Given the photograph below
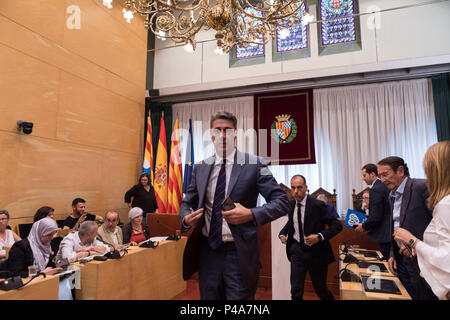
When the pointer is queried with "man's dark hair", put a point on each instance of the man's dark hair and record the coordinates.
(299, 176)
(225, 116)
(394, 163)
(42, 212)
(370, 167)
(77, 201)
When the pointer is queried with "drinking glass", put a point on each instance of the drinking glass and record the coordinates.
(32, 270)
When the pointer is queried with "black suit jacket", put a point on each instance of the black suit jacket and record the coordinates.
(317, 217)
(414, 213)
(249, 178)
(21, 256)
(378, 224)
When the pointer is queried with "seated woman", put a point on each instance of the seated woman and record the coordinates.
(7, 236)
(43, 212)
(134, 231)
(35, 249)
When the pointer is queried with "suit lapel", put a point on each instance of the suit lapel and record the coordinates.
(237, 168)
(405, 200)
(203, 173)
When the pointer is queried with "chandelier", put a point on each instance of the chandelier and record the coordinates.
(240, 23)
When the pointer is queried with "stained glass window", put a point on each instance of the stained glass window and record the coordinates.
(297, 37)
(341, 28)
(252, 50)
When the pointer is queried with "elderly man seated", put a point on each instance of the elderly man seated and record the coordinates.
(81, 244)
(109, 233)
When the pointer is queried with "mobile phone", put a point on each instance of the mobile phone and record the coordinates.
(228, 204)
(407, 246)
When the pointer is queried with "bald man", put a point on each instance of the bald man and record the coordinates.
(109, 233)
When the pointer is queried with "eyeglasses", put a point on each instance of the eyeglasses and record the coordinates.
(218, 131)
(4, 219)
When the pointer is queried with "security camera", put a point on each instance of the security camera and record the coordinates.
(26, 127)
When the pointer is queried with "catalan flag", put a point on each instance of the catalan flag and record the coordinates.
(175, 173)
(160, 179)
(189, 165)
(147, 166)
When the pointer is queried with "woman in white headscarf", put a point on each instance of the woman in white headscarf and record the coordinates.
(34, 250)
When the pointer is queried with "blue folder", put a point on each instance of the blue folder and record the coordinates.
(354, 217)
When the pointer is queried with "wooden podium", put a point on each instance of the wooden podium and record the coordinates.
(163, 224)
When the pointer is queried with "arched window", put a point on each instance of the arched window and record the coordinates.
(251, 53)
(339, 27)
(293, 42)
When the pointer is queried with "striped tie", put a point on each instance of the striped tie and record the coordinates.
(215, 230)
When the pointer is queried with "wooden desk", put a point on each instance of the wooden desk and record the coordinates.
(142, 274)
(39, 289)
(355, 291)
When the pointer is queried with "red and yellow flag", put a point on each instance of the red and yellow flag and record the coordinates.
(160, 179)
(148, 155)
(175, 195)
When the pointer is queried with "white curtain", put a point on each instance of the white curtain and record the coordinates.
(361, 124)
(201, 112)
(353, 126)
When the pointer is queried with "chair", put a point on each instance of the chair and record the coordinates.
(24, 229)
(357, 198)
(331, 197)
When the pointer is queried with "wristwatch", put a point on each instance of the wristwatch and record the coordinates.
(411, 242)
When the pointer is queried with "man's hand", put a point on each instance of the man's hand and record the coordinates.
(193, 218)
(405, 252)
(238, 215)
(359, 227)
(392, 264)
(118, 247)
(283, 239)
(51, 271)
(312, 239)
(402, 235)
(82, 249)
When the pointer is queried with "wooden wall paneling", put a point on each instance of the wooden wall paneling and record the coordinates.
(36, 45)
(109, 43)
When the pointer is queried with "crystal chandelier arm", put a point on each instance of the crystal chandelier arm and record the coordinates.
(170, 26)
(272, 14)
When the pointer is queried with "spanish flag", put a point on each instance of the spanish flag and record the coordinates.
(147, 167)
(160, 180)
(175, 173)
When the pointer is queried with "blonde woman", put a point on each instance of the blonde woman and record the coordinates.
(433, 253)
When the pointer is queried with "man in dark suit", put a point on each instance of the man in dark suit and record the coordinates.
(378, 224)
(408, 199)
(224, 245)
(307, 241)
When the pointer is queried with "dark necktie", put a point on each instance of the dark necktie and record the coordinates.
(215, 230)
(300, 228)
